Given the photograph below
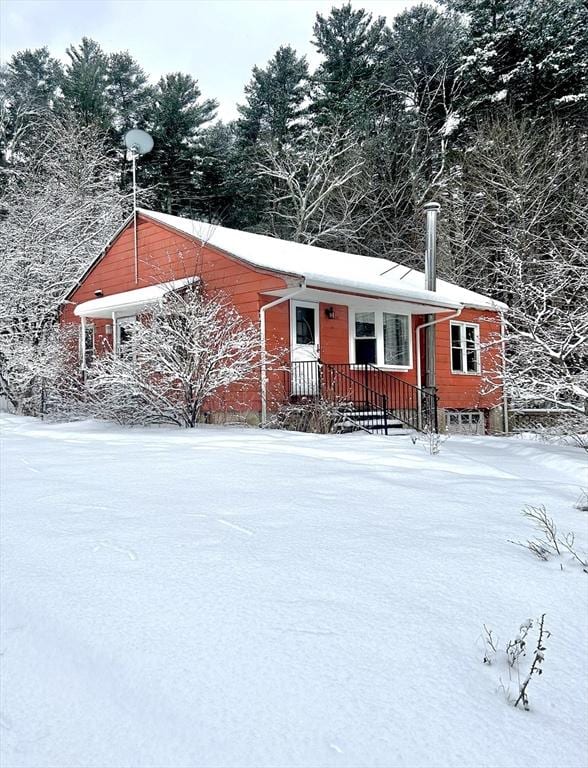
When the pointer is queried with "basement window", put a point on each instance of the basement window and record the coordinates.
(381, 338)
(465, 422)
(465, 348)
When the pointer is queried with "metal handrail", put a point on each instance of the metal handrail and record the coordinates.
(426, 401)
(365, 387)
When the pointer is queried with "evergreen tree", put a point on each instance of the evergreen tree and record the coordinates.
(85, 81)
(275, 109)
(128, 95)
(352, 46)
(530, 55)
(216, 184)
(127, 92)
(175, 121)
(29, 86)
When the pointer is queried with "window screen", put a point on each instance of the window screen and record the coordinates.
(396, 342)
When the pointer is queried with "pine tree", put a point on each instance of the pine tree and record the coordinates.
(275, 109)
(529, 55)
(175, 121)
(129, 96)
(29, 86)
(352, 46)
(127, 92)
(85, 82)
(216, 185)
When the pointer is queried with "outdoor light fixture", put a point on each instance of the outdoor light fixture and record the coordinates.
(330, 313)
(108, 330)
(98, 293)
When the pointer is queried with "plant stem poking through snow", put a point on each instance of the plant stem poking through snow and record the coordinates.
(535, 669)
(514, 654)
(552, 543)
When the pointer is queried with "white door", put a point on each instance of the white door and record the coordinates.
(304, 333)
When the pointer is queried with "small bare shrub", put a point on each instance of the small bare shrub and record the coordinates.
(515, 656)
(582, 502)
(551, 543)
(319, 416)
(430, 440)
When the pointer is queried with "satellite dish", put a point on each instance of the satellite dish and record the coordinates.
(138, 141)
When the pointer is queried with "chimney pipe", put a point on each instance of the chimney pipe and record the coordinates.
(432, 211)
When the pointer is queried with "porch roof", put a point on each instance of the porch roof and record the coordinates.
(394, 304)
(327, 269)
(130, 302)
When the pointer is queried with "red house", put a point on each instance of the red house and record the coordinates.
(353, 326)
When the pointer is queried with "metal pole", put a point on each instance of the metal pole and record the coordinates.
(134, 156)
(432, 211)
(419, 328)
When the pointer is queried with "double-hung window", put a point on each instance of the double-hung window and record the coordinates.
(381, 338)
(465, 348)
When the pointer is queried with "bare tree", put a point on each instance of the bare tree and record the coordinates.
(520, 232)
(59, 210)
(185, 352)
(313, 198)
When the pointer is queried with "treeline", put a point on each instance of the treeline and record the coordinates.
(481, 105)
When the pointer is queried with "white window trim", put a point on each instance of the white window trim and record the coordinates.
(462, 327)
(379, 313)
(317, 321)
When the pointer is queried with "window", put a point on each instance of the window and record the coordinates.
(381, 338)
(465, 348)
(365, 337)
(305, 332)
(466, 422)
(87, 346)
(124, 335)
(396, 340)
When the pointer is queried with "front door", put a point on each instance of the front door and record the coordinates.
(304, 333)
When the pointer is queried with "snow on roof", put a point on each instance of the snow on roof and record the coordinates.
(131, 301)
(325, 268)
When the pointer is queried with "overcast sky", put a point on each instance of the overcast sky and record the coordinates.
(216, 41)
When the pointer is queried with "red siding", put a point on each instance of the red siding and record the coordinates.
(165, 255)
(464, 390)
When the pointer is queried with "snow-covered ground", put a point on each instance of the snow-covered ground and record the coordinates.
(233, 597)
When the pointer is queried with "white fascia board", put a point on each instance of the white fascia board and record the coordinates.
(129, 301)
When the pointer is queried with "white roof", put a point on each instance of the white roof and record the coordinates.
(128, 301)
(324, 268)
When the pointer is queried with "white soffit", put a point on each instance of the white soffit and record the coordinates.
(129, 301)
(388, 304)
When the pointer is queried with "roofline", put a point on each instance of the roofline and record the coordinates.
(141, 212)
(240, 259)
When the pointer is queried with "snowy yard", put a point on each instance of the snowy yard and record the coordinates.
(232, 597)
